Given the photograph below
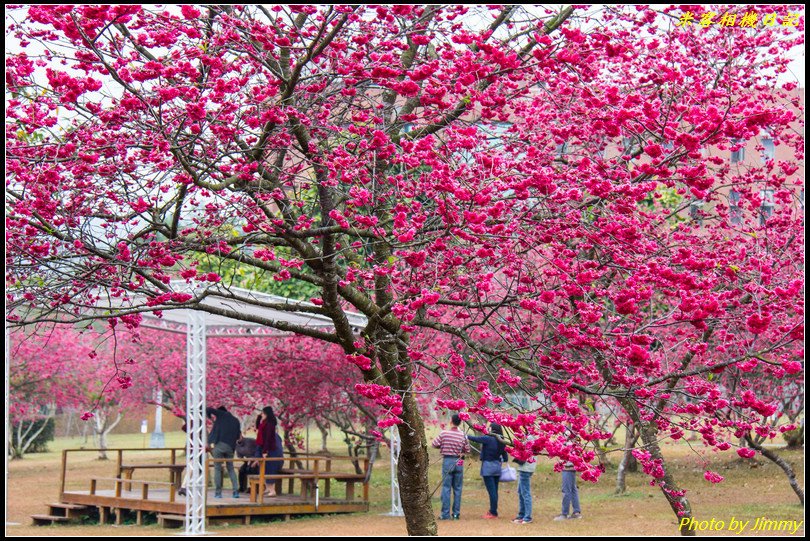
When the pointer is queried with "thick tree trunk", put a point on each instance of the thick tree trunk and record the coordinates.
(632, 461)
(362, 446)
(782, 463)
(354, 452)
(348, 441)
(102, 453)
(630, 438)
(679, 504)
(291, 451)
(413, 471)
(648, 433)
(324, 436)
(103, 427)
(101, 434)
(373, 449)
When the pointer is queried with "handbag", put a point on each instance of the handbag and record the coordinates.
(508, 474)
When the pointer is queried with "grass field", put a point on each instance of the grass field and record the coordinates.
(747, 494)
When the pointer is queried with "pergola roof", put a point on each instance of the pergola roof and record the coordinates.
(253, 305)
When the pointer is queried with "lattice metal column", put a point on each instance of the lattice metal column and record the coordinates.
(396, 502)
(195, 411)
(8, 416)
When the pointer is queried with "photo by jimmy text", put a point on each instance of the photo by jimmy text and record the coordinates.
(738, 526)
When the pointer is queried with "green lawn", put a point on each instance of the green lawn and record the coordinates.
(747, 493)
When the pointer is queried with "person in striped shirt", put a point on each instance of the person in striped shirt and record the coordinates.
(453, 445)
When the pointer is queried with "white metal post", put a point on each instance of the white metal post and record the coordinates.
(8, 411)
(158, 440)
(195, 412)
(396, 502)
(8, 416)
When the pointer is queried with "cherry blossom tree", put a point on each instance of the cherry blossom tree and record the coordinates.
(58, 367)
(41, 381)
(518, 182)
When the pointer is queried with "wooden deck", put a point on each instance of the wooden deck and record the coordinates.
(158, 502)
(121, 491)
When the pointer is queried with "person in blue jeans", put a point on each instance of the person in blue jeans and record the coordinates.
(453, 475)
(525, 471)
(222, 441)
(453, 445)
(493, 453)
(570, 493)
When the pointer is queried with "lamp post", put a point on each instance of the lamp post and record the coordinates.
(158, 440)
(144, 430)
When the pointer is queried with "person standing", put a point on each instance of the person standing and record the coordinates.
(525, 472)
(222, 442)
(570, 493)
(269, 445)
(493, 454)
(453, 446)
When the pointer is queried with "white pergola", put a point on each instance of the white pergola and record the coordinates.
(253, 311)
(199, 324)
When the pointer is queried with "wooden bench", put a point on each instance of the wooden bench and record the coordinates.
(306, 477)
(118, 483)
(308, 481)
(350, 479)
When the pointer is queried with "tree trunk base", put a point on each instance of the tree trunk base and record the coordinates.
(782, 463)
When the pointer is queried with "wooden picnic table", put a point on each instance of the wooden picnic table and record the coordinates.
(308, 478)
(125, 471)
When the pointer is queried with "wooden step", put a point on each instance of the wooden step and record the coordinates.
(171, 521)
(70, 510)
(47, 520)
(68, 505)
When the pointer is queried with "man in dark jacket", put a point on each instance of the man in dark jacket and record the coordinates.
(222, 442)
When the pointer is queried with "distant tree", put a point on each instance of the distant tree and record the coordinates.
(41, 380)
(45, 433)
